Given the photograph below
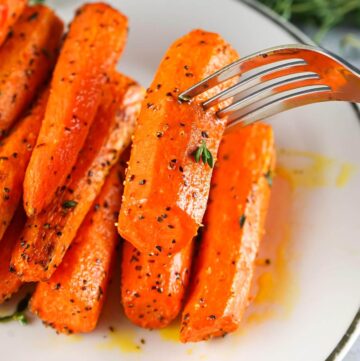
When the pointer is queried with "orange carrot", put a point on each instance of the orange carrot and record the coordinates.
(72, 299)
(234, 225)
(15, 152)
(92, 47)
(166, 190)
(26, 61)
(153, 286)
(48, 235)
(10, 10)
(9, 282)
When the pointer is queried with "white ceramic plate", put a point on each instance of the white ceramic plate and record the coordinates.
(310, 295)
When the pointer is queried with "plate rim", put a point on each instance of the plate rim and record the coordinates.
(349, 338)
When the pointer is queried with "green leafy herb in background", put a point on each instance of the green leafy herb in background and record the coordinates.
(325, 14)
(36, 2)
(350, 41)
(19, 314)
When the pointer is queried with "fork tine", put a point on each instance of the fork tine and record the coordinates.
(240, 67)
(278, 103)
(266, 89)
(251, 85)
(252, 80)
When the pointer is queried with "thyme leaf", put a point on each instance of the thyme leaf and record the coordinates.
(204, 154)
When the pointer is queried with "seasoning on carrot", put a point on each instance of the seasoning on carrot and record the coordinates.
(10, 10)
(92, 48)
(72, 299)
(9, 282)
(48, 235)
(26, 61)
(166, 189)
(15, 152)
(153, 286)
(238, 203)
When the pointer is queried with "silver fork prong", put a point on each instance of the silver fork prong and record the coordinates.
(252, 80)
(278, 103)
(266, 89)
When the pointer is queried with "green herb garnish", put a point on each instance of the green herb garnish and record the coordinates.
(242, 220)
(204, 154)
(19, 314)
(269, 177)
(69, 204)
(325, 14)
(36, 2)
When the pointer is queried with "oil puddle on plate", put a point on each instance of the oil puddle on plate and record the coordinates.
(313, 170)
(172, 332)
(273, 290)
(123, 340)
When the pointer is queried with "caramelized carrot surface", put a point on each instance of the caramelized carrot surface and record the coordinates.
(92, 48)
(76, 291)
(153, 286)
(10, 10)
(9, 282)
(15, 152)
(166, 190)
(48, 235)
(234, 225)
(26, 61)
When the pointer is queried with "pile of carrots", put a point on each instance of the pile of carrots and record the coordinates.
(86, 154)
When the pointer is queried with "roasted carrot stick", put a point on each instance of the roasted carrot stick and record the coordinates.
(92, 47)
(153, 286)
(9, 282)
(71, 301)
(15, 152)
(48, 235)
(234, 225)
(26, 60)
(166, 190)
(10, 10)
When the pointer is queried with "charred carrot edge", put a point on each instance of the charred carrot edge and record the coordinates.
(165, 189)
(26, 61)
(234, 225)
(72, 299)
(10, 10)
(92, 47)
(9, 282)
(48, 235)
(153, 286)
(15, 152)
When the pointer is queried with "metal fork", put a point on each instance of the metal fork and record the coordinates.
(279, 79)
